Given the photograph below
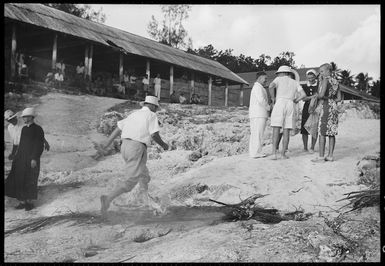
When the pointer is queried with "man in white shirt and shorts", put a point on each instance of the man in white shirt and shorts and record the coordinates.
(136, 130)
(283, 110)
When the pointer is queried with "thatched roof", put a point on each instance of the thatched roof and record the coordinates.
(59, 21)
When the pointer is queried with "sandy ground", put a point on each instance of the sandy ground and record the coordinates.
(192, 229)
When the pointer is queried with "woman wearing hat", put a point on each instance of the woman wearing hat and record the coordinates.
(310, 88)
(21, 182)
(283, 110)
(136, 130)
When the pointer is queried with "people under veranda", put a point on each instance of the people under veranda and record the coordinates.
(157, 85)
(195, 99)
(174, 97)
(22, 180)
(182, 99)
(136, 130)
(283, 110)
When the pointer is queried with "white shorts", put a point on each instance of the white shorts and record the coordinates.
(282, 114)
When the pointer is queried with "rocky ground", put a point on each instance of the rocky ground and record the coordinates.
(208, 161)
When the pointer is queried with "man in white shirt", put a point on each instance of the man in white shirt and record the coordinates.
(136, 130)
(258, 114)
(283, 111)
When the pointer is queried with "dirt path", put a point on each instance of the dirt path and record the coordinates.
(192, 230)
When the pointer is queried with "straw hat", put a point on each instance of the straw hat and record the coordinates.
(150, 99)
(311, 71)
(284, 69)
(8, 115)
(28, 112)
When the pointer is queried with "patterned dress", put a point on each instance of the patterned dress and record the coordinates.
(328, 120)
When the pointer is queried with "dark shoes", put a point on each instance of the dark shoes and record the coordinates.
(29, 206)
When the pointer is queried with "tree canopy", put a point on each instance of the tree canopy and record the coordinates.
(171, 31)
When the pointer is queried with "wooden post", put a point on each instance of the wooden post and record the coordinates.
(54, 51)
(241, 96)
(171, 79)
(90, 62)
(120, 67)
(192, 83)
(86, 62)
(210, 85)
(148, 68)
(13, 52)
(226, 93)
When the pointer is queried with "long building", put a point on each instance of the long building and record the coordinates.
(47, 36)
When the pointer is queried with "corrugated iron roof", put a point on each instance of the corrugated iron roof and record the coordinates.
(250, 77)
(53, 19)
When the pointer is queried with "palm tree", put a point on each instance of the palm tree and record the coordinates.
(362, 81)
(346, 78)
(335, 68)
(375, 88)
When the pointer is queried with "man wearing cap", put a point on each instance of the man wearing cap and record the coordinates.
(258, 114)
(21, 182)
(310, 88)
(136, 130)
(283, 111)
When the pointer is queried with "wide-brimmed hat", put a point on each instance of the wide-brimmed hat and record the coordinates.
(28, 112)
(284, 69)
(9, 114)
(311, 71)
(152, 100)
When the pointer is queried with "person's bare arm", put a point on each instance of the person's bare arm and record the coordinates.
(321, 94)
(46, 145)
(111, 138)
(156, 137)
(302, 95)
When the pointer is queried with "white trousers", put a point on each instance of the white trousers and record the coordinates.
(257, 129)
(157, 91)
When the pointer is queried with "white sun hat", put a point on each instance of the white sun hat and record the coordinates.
(284, 69)
(311, 71)
(150, 99)
(9, 114)
(28, 112)
(296, 75)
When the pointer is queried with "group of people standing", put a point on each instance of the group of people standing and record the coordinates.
(279, 99)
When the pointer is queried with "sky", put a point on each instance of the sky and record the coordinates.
(348, 35)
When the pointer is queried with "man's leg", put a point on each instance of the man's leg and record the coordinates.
(253, 138)
(275, 141)
(279, 140)
(261, 124)
(304, 140)
(286, 135)
(107, 199)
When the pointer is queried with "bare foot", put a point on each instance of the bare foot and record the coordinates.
(284, 156)
(274, 157)
(104, 205)
(311, 151)
(329, 159)
(305, 150)
(318, 160)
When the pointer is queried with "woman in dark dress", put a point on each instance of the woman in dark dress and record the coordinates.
(21, 182)
(310, 89)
